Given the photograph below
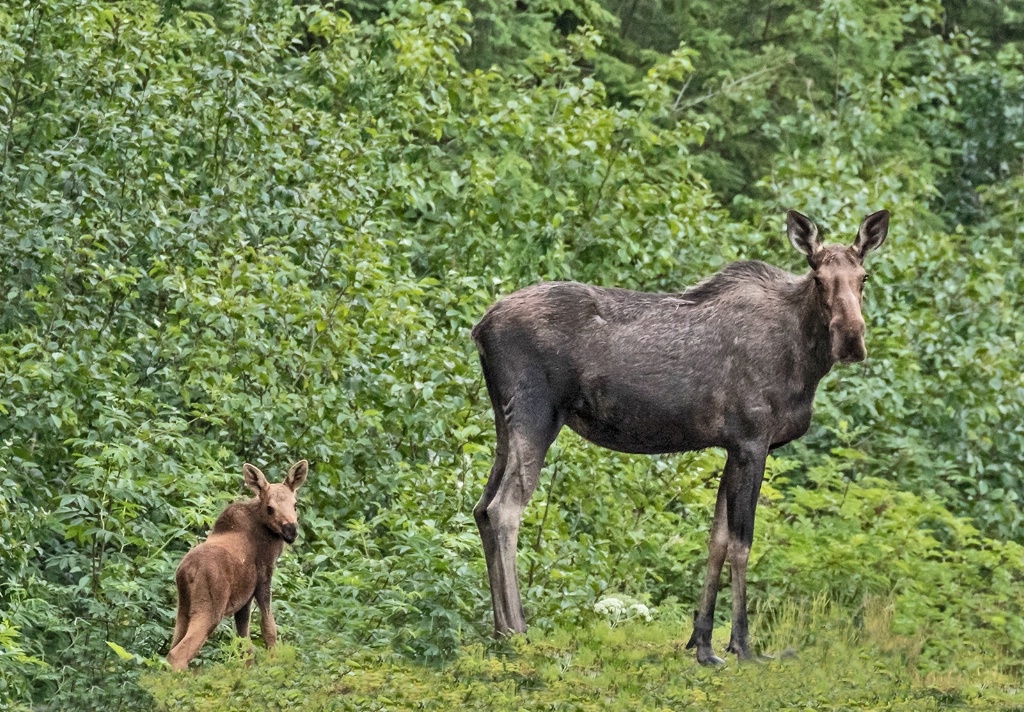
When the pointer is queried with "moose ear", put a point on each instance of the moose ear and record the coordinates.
(297, 475)
(872, 233)
(254, 479)
(803, 233)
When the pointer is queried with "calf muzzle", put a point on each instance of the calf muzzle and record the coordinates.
(289, 532)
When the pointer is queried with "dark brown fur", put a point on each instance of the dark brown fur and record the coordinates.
(235, 565)
(733, 362)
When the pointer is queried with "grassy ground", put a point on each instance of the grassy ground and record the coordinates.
(838, 665)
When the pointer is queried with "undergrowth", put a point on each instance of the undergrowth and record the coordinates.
(824, 659)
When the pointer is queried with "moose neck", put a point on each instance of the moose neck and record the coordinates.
(814, 326)
(244, 517)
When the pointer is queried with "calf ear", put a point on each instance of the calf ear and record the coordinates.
(254, 479)
(803, 234)
(297, 475)
(872, 233)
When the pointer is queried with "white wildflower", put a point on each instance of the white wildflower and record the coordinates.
(639, 610)
(616, 610)
(610, 607)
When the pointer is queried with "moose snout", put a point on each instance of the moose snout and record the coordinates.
(848, 341)
(289, 532)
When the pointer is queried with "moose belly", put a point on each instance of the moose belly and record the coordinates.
(680, 421)
(648, 425)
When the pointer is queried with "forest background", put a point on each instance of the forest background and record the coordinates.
(259, 230)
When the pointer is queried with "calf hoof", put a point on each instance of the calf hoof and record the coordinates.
(177, 665)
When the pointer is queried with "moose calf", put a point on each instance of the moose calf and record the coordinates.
(221, 576)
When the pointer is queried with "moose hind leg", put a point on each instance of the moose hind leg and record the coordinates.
(199, 628)
(532, 425)
(503, 513)
(483, 522)
(184, 604)
(181, 621)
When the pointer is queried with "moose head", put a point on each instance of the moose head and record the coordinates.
(839, 277)
(277, 501)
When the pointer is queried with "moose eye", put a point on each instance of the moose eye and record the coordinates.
(270, 511)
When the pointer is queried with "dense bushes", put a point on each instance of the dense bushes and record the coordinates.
(261, 231)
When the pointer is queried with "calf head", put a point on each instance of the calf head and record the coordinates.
(277, 501)
(839, 278)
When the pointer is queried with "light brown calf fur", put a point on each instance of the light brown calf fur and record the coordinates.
(221, 576)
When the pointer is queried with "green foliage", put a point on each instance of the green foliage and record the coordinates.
(510, 33)
(240, 230)
(635, 666)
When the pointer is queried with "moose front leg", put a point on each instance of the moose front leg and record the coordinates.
(742, 504)
(268, 628)
(731, 535)
(242, 618)
(704, 618)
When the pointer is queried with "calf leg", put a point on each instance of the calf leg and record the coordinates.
(181, 621)
(268, 628)
(184, 605)
(242, 619)
(199, 628)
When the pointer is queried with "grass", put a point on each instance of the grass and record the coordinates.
(841, 663)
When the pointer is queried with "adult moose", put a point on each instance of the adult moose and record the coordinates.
(732, 362)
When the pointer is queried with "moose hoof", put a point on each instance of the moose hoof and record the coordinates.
(742, 652)
(744, 655)
(760, 658)
(709, 658)
(177, 665)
